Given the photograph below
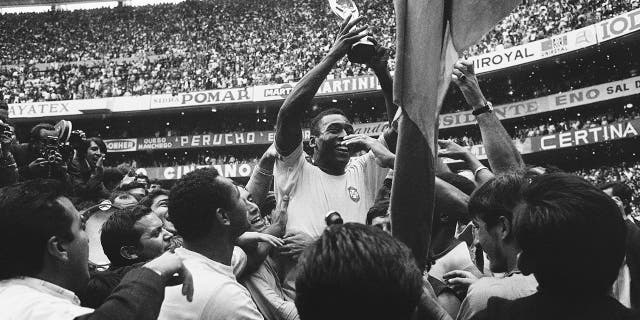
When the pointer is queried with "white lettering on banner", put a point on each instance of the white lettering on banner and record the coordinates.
(502, 59)
(588, 136)
(121, 145)
(155, 143)
(177, 172)
(618, 26)
(217, 96)
(355, 84)
(26, 110)
(503, 112)
(597, 93)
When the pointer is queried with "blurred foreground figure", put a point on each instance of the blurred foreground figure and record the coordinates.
(357, 272)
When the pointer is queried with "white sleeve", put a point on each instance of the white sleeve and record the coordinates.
(287, 172)
(238, 261)
(373, 173)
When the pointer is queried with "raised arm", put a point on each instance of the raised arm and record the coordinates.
(260, 181)
(502, 153)
(452, 150)
(288, 125)
(379, 65)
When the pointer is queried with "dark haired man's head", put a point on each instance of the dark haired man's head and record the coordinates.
(154, 184)
(569, 231)
(257, 221)
(620, 192)
(352, 266)
(92, 149)
(491, 208)
(133, 235)
(203, 204)
(142, 179)
(378, 216)
(328, 129)
(158, 201)
(122, 199)
(333, 218)
(42, 235)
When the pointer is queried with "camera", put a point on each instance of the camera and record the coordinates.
(57, 141)
(50, 149)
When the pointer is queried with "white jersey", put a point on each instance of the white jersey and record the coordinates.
(313, 193)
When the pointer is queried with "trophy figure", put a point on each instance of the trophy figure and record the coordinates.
(363, 50)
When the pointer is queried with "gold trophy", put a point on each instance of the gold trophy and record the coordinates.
(363, 50)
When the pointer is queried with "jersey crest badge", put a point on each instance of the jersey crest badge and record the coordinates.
(353, 194)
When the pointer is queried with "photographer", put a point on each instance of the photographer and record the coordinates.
(42, 156)
(86, 170)
(8, 168)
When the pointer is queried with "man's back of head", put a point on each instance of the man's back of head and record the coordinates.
(355, 271)
(30, 215)
(203, 202)
(571, 235)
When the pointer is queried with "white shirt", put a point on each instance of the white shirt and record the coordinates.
(269, 295)
(511, 287)
(456, 259)
(313, 193)
(27, 298)
(216, 295)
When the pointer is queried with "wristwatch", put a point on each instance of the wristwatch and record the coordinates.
(488, 107)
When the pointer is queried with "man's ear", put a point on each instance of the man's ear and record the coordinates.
(312, 142)
(57, 249)
(223, 217)
(504, 226)
(129, 252)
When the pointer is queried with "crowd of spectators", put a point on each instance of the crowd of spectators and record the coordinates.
(540, 19)
(627, 173)
(200, 45)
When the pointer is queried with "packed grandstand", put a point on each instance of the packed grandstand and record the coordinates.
(199, 83)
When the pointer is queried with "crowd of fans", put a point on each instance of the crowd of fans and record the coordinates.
(201, 45)
(627, 173)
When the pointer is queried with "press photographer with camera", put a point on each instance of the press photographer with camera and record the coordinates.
(86, 169)
(45, 155)
(8, 168)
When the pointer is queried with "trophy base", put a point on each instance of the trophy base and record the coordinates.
(361, 51)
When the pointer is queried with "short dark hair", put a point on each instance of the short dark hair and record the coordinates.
(118, 231)
(569, 231)
(30, 215)
(85, 144)
(194, 200)
(497, 197)
(34, 134)
(315, 122)
(352, 266)
(148, 200)
(622, 191)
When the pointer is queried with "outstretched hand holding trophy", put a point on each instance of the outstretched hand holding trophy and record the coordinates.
(363, 50)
